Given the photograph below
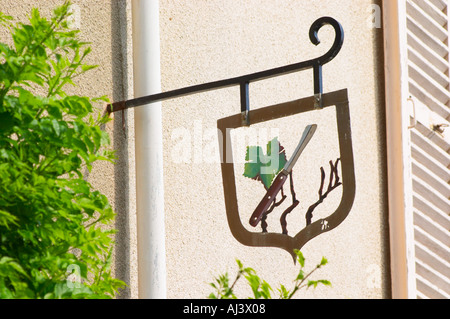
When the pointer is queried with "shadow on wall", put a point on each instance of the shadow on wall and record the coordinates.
(381, 119)
(119, 61)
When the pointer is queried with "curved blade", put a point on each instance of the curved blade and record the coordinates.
(307, 135)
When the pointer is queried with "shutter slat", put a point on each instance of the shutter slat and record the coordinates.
(422, 188)
(431, 163)
(428, 147)
(432, 244)
(440, 4)
(426, 98)
(428, 71)
(432, 11)
(432, 276)
(427, 22)
(440, 140)
(433, 228)
(421, 62)
(428, 83)
(437, 288)
(432, 57)
(437, 215)
(439, 264)
(435, 44)
(428, 290)
(431, 179)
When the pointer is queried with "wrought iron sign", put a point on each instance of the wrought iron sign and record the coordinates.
(316, 103)
(339, 100)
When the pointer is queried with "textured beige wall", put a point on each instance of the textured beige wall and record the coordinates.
(203, 41)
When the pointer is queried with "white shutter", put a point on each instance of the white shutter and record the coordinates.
(428, 38)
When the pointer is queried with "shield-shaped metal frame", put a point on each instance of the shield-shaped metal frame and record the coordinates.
(339, 99)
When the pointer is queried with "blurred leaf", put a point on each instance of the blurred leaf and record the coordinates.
(260, 288)
(50, 217)
(300, 258)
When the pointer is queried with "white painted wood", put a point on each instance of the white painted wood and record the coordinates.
(428, 37)
(402, 246)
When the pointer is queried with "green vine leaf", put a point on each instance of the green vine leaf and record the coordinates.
(265, 167)
(260, 288)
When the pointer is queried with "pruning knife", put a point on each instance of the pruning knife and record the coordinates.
(279, 181)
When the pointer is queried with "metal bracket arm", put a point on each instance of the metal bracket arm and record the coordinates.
(245, 80)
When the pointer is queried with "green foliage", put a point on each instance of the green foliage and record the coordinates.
(51, 219)
(260, 288)
(264, 167)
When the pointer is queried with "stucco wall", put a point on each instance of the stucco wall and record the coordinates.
(204, 41)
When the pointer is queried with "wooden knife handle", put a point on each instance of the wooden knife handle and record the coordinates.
(268, 198)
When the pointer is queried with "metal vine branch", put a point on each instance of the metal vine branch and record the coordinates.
(332, 185)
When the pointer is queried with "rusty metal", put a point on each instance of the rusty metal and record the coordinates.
(339, 99)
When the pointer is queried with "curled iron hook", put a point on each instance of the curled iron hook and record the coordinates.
(338, 41)
(327, 57)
